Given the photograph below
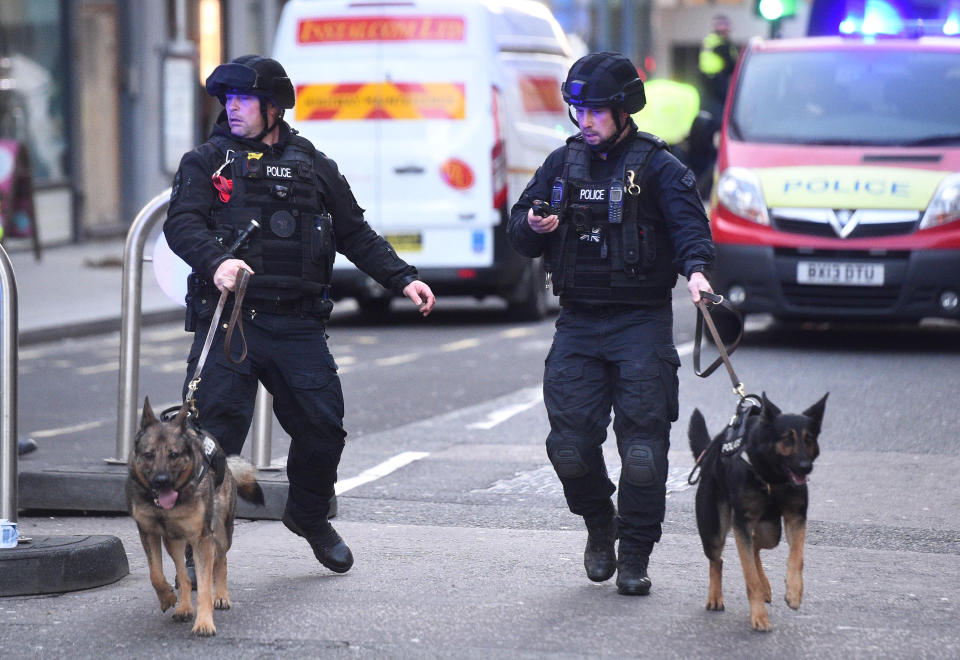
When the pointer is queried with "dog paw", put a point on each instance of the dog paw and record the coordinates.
(167, 599)
(760, 622)
(793, 600)
(221, 603)
(715, 605)
(183, 614)
(204, 628)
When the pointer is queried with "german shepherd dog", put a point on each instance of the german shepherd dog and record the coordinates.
(749, 483)
(181, 488)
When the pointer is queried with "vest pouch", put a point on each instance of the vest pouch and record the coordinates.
(648, 246)
(322, 246)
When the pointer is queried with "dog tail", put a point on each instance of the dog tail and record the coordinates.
(246, 477)
(697, 433)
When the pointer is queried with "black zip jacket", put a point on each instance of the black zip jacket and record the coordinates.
(668, 188)
(188, 228)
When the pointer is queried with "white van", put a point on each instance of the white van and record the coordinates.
(437, 113)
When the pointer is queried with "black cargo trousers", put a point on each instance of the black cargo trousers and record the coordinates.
(619, 358)
(289, 355)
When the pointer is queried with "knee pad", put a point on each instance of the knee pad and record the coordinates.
(567, 462)
(639, 466)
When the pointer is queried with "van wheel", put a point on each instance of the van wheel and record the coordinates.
(374, 309)
(531, 301)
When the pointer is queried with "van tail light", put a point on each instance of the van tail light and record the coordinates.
(498, 156)
(457, 174)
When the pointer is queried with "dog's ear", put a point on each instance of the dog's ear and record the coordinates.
(180, 421)
(815, 413)
(767, 408)
(148, 417)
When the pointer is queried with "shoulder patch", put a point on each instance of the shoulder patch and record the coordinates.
(688, 180)
(175, 191)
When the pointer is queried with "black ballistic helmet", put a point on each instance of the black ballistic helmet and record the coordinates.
(254, 75)
(604, 80)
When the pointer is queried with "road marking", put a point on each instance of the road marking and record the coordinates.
(98, 369)
(534, 396)
(381, 470)
(64, 430)
(460, 345)
(397, 359)
(513, 333)
(544, 481)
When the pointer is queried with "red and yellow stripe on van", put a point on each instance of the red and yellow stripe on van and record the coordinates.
(381, 100)
(380, 28)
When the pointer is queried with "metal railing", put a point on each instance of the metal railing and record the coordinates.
(8, 390)
(128, 390)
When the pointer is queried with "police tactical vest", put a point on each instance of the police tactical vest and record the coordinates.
(611, 247)
(293, 251)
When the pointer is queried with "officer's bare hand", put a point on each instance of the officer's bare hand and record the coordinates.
(421, 295)
(697, 283)
(226, 275)
(542, 225)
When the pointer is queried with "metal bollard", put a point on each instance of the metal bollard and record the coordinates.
(130, 323)
(128, 390)
(8, 390)
(263, 430)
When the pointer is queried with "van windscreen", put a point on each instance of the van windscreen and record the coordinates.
(865, 97)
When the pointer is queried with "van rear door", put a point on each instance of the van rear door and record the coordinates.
(401, 98)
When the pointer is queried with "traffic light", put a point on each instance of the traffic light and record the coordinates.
(773, 10)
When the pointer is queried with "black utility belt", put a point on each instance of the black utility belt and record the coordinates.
(312, 306)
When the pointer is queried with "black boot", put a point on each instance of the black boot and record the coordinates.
(191, 569)
(599, 557)
(632, 577)
(329, 549)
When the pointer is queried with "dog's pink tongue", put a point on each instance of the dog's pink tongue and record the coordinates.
(167, 499)
(798, 480)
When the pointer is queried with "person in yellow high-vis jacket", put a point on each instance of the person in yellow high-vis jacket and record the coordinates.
(718, 56)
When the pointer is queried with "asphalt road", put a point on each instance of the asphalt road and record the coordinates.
(465, 549)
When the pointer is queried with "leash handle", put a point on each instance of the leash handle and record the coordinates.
(236, 320)
(703, 316)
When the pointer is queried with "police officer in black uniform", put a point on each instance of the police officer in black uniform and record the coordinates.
(616, 218)
(255, 169)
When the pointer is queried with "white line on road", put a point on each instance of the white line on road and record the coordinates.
(460, 345)
(397, 359)
(64, 430)
(381, 470)
(98, 368)
(534, 395)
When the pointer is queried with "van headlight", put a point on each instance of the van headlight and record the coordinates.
(739, 190)
(945, 205)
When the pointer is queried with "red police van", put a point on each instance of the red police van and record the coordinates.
(837, 192)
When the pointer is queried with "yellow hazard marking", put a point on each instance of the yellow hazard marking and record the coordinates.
(381, 100)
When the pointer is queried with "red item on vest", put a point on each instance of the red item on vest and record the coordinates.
(224, 187)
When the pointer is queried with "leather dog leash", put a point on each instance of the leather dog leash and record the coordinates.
(703, 315)
(243, 278)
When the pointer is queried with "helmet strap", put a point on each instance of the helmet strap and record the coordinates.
(266, 118)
